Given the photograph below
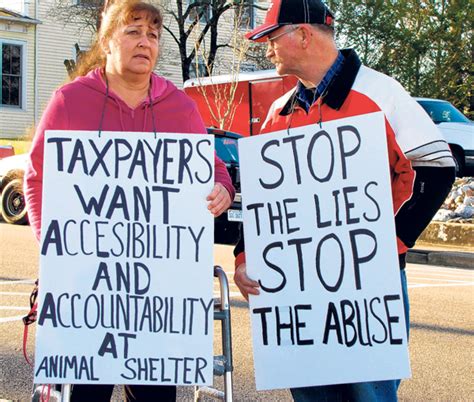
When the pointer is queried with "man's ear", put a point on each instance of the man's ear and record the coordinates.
(305, 35)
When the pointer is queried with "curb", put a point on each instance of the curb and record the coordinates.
(449, 234)
(443, 258)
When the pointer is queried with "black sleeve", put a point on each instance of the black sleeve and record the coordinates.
(240, 246)
(432, 185)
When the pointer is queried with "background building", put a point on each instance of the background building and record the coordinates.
(35, 42)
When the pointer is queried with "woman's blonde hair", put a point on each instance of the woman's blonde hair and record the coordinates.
(116, 14)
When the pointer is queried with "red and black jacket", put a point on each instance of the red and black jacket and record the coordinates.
(421, 164)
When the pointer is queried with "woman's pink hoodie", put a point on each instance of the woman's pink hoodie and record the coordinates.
(80, 104)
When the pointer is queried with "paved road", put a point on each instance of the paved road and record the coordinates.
(441, 340)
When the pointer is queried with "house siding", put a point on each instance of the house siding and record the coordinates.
(55, 43)
(15, 121)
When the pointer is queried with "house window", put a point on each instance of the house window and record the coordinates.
(246, 14)
(204, 10)
(199, 69)
(85, 3)
(11, 73)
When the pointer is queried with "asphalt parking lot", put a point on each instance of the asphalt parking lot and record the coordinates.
(441, 338)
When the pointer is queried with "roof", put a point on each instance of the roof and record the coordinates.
(429, 99)
(223, 79)
(12, 16)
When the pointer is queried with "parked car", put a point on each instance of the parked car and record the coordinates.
(457, 130)
(13, 208)
(227, 226)
(6, 150)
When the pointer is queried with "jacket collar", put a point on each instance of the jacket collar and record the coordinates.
(340, 86)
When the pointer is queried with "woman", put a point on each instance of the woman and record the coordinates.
(116, 90)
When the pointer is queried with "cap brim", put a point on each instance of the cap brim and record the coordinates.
(259, 33)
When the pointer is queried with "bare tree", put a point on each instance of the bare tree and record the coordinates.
(85, 14)
(188, 22)
(198, 20)
(220, 98)
(256, 54)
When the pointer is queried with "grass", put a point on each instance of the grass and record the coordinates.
(20, 146)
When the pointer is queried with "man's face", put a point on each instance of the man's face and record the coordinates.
(281, 49)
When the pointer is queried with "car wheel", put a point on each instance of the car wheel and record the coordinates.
(458, 162)
(13, 203)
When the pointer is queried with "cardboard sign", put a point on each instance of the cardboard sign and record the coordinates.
(126, 259)
(320, 240)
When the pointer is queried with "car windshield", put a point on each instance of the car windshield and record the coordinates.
(226, 149)
(443, 112)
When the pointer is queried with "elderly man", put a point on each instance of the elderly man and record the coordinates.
(333, 84)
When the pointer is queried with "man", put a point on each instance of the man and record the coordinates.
(332, 85)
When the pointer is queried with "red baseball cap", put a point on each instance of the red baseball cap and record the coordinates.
(288, 12)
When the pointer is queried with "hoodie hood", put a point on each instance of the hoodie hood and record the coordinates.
(87, 105)
(112, 107)
(161, 88)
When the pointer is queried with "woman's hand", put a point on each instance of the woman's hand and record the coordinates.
(219, 200)
(244, 283)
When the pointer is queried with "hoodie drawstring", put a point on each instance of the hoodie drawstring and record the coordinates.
(146, 116)
(150, 104)
(122, 125)
(105, 102)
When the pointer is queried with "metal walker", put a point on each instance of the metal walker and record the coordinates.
(222, 363)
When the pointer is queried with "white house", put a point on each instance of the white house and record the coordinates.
(18, 71)
(33, 47)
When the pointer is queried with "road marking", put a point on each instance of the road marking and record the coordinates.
(440, 278)
(420, 276)
(14, 308)
(14, 293)
(437, 279)
(10, 319)
(448, 274)
(438, 285)
(435, 268)
(15, 282)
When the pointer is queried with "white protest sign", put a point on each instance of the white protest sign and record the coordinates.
(126, 277)
(320, 239)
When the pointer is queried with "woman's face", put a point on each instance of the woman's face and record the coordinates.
(133, 47)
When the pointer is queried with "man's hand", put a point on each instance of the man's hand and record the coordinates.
(244, 283)
(219, 200)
